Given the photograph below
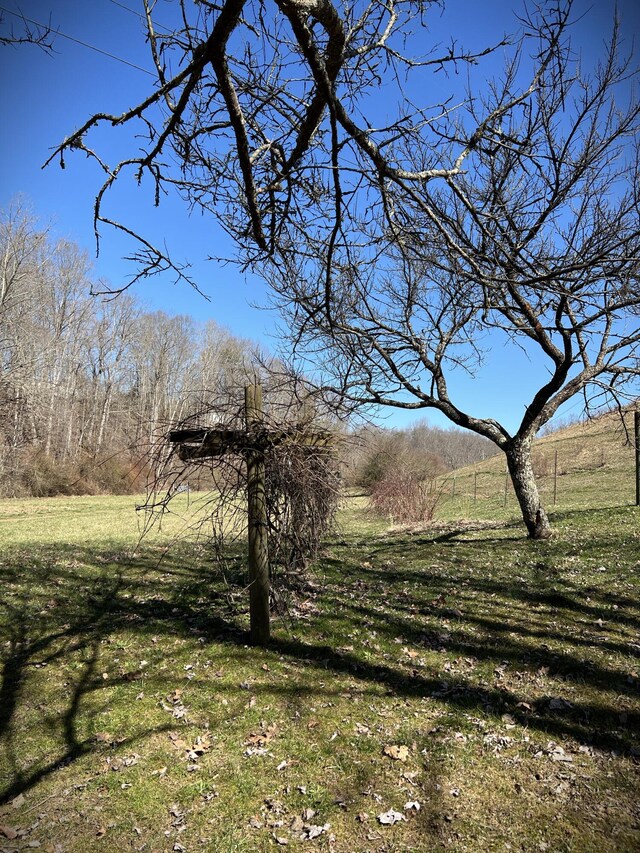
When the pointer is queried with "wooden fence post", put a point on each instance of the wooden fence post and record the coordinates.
(257, 523)
(198, 443)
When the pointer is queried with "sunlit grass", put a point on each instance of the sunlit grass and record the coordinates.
(135, 716)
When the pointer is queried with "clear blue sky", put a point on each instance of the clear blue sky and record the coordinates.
(43, 98)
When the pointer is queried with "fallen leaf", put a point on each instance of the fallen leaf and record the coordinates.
(263, 737)
(8, 832)
(315, 831)
(178, 742)
(201, 744)
(558, 754)
(103, 737)
(390, 817)
(18, 801)
(412, 805)
(397, 752)
(411, 653)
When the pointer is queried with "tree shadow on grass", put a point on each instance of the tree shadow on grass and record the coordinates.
(38, 631)
(59, 607)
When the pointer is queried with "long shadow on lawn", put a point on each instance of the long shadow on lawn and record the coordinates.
(176, 598)
(31, 642)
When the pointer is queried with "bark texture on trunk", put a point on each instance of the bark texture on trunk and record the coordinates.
(518, 454)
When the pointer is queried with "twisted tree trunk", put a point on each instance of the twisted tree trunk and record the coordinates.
(518, 453)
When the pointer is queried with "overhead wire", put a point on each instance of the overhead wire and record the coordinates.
(139, 15)
(57, 32)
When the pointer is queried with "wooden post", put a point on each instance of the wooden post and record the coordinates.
(257, 523)
(200, 443)
(636, 435)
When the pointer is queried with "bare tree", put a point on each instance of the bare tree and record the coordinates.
(536, 245)
(394, 247)
(30, 32)
(257, 104)
(86, 384)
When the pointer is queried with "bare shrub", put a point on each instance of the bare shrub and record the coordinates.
(302, 490)
(302, 486)
(542, 465)
(406, 498)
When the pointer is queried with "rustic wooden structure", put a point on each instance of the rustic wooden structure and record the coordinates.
(252, 443)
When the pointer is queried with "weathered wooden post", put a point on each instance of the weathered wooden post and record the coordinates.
(252, 442)
(257, 520)
(506, 485)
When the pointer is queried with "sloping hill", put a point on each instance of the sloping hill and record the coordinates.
(585, 465)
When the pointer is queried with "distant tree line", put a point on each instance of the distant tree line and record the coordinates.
(87, 384)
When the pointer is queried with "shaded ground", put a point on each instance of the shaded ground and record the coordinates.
(483, 688)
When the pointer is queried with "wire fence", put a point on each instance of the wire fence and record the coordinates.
(588, 469)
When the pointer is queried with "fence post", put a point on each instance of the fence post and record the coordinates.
(257, 523)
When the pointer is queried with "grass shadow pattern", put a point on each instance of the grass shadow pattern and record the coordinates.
(489, 657)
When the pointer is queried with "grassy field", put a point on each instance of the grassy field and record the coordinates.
(453, 688)
(587, 465)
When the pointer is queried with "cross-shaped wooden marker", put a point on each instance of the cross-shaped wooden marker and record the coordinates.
(252, 442)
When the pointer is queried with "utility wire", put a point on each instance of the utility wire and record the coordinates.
(139, 15)
(78, 41)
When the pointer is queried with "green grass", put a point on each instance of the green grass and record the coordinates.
(134, 715)
(588, 465)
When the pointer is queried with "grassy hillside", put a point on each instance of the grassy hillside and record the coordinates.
(587, 465)
(460, 688)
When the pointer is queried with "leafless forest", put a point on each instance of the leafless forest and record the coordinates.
(90, 383)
